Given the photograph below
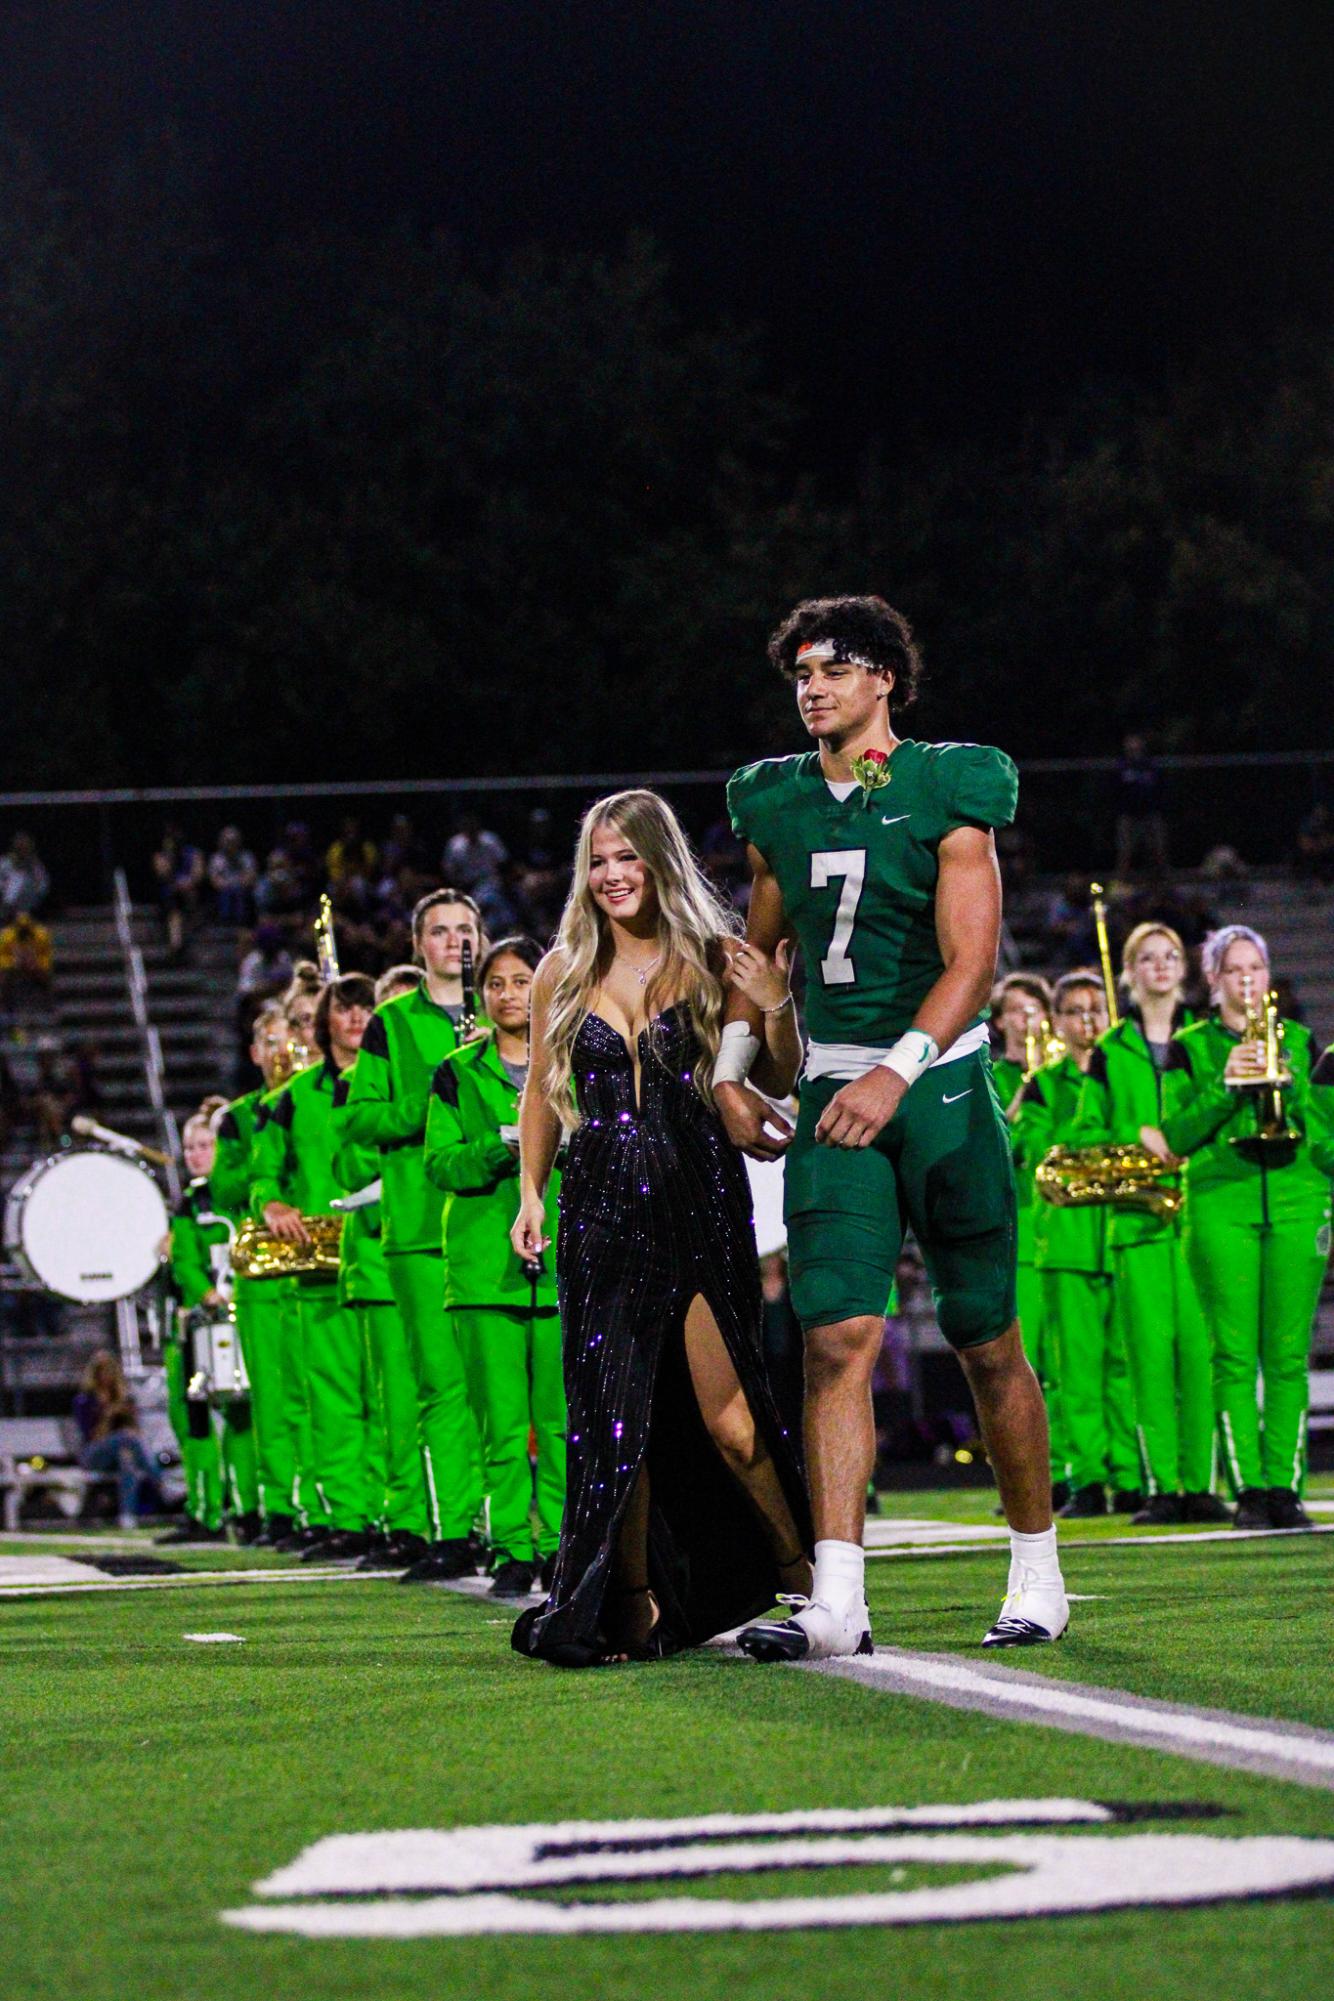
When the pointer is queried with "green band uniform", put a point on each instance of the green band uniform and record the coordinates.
(1039, 1345)
(261, 1308)
(293, 1162)
(858, 880)
(508, 1326)
(406, 1039)
(219, 1457)
(1072, 1263)
(399, 1490)
(1257, 1235)
(1155, 1300)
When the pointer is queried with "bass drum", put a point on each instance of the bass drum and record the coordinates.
(88, 1226)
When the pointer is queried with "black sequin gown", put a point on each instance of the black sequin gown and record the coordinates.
(655, 1210)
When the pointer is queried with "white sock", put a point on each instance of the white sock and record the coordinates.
(840, 1575)
(1036, 1552)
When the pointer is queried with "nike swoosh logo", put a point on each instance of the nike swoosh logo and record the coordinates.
(892, 819)
(957, 1095)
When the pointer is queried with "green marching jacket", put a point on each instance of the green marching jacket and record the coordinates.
(293, 1151)
(1202, 1116)
(194, 1269)
(405, 1040)
(362, 1277)
(230, 1180)
(1122, 1091)
(1063, 1239)
(472, 1097)
(1008, 1076)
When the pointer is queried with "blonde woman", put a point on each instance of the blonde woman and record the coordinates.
(685, 1509)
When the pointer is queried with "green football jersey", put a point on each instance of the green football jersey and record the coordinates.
(858, 875)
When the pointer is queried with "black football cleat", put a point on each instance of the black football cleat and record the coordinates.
(815, 1632)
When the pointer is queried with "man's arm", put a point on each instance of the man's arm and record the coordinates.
(744, 1113)
(968, 913)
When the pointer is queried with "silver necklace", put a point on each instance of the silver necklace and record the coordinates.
(642, 977)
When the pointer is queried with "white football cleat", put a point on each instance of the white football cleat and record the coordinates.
(1035, 1609)
(815, 1632)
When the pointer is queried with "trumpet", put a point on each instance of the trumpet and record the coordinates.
(293, 1055)
(1042, 1046)
(1128, 1177)
(257, 1253)
(1274, 1141)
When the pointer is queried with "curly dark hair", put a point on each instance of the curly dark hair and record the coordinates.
(867, 627)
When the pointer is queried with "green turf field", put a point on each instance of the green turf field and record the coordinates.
(150, 1782)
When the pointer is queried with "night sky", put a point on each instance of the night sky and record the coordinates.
(948, 215)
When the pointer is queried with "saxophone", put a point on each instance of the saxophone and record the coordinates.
(257, 1253)
(1129, 1177)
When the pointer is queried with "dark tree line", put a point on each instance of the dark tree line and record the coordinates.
(345, 508)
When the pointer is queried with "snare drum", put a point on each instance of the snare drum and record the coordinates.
(216, 1362)
(88, 1225)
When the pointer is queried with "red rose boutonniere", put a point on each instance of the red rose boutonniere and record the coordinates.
(871, 771)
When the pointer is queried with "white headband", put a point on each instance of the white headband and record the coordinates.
(832, 649)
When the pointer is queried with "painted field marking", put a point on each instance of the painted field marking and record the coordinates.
(215, 1639)
(460, 1882)
(36, 1570)
(903, 1532)
(1187, 1539)
(1290, 1751)
(187, 1580)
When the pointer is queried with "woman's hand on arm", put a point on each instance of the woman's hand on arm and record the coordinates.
(750, 1123)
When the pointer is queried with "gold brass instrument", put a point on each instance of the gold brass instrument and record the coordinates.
(1274, 1142)
(326, 942)
(1042, 1046)
(257, 1253)
(1128, 1177)
(468, 1011)
(1104, 954)
(293, 1055)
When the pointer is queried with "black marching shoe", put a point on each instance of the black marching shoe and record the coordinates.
(1061, 1494)
(247, 1528)
(302, 1539)
(394, 1551)
(1253, 1509)
(339, 1546)
(1127, 1500)
(1204, 1508)
(275, 1530)
(187, 1531)
(443, 1563)
(1286, 1510)
(1086, 1504)
(513, 1578)
(1160, 1511)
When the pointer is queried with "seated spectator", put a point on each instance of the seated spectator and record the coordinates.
(24, 882)
(303, 861)
(178, 869)
(280, 892)
(1224, 867)
(266, 967)
(402, 849)
(1313, 861)
(474, 857)
(1069, 938)
(66, 1083)
(350, 859)
(105, 1414)
(25, 960)
(232, 876)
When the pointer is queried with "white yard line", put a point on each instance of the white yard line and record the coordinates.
(190, 1579)
(1185, 1539)
(1217, 1737)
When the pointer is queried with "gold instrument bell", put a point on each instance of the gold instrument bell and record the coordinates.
(257, 1253)
(1273, 1143)
(1128, 1177)
(1042, 1046)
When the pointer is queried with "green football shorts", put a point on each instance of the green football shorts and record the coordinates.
(941, 1168)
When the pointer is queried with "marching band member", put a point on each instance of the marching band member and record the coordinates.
(1154, 1298)
(1257, 1223)
(195, 1284)
(399, 1504)
(293, 1181)
(1021, 1013)
(260, 1303)
(386, 1108)
(1074, 1269)
(504, 1311)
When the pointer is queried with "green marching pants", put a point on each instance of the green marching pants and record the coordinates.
(515, 1362)
(331, 1342)
(1259, 1285)
(1041, 1351)
(240, 1468)
(1167, 1345)
(398, 1498)
(447, 1428)
(198, 1443)
(260, 1307)
(307, 1504)
(1096, 1400)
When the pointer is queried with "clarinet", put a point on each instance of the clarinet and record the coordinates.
(468, 1011)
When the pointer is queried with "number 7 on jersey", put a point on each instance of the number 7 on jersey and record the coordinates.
(836, 967)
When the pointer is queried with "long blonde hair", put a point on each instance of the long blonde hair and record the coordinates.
(692, 922)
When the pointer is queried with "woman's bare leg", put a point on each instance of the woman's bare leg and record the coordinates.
(732, 1427)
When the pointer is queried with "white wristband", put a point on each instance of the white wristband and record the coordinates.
(736, 1053)
(913, 1053)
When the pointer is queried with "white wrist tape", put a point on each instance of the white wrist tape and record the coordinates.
(736, 1054)
(914, 1052)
